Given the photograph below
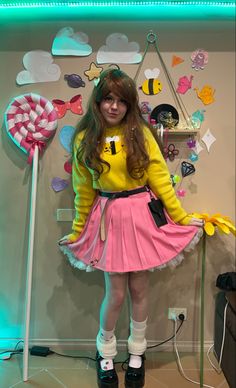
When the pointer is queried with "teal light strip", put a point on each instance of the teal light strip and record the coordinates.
(117, 4)
(118, 9)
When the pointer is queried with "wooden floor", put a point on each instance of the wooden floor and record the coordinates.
(55, 371)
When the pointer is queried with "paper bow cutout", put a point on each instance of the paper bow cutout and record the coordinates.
(223, 223)
(33, 143)
(187, 168)
(74, 105)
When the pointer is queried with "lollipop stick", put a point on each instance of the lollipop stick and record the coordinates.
(30, 262)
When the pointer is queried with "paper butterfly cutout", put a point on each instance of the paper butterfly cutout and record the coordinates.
(94, 71)
(187, 168)
(74, 105)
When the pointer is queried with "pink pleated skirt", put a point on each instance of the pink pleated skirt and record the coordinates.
(133, 241)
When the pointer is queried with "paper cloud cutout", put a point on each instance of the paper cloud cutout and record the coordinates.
(68, 42)
(118, 49)
(39, 68)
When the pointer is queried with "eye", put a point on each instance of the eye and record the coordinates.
(123, 102)
(108, 98)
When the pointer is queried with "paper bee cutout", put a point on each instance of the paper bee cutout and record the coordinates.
(151, 85)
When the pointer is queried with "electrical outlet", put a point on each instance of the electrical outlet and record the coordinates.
(65, 214)
(176, 311)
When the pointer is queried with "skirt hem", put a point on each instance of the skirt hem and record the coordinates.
(172, 263)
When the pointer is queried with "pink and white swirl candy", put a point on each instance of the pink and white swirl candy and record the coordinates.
(31, 120)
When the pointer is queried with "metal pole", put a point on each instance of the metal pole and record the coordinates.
(30, 262)
(202, 310)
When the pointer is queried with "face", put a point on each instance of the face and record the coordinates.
(113, 109)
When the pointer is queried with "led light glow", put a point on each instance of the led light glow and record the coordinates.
(117, 4)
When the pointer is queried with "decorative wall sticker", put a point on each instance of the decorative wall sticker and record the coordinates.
(181, 193)
(193, 157)
(31, 121)
(68, 167)
(184, 84)
(197, 118)
(206, 94)
(118, 49)
(68, 42)
(174, 179)
(39, 68)
(176, 60)
(94, 71)
(187, 168)
(152, 85)
(74, 105)
(65, 136)
(59, 184)
(145, 110)
(199, 58)
(191, 143)
(74, 80)
(198, 148)
(171, 152)
(208, 139)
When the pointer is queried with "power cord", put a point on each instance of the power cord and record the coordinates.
(7, 354)
(219, 370)
(179, 362)
(45, 351)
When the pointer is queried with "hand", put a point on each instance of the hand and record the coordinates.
(65, 240)
(197, 222)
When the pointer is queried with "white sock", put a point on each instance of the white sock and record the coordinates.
(105, 335)
(106, 346)
(135, 361)
(137, 343)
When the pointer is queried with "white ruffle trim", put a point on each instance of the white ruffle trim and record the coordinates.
(76, 263)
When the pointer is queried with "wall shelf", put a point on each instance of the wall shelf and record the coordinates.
(181, 131)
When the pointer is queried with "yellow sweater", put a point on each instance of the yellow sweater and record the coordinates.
(157, 176)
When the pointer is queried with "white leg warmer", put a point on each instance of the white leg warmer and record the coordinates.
(137, 343)
(106, 343)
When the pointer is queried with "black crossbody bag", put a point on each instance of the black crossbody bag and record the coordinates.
(157, 210)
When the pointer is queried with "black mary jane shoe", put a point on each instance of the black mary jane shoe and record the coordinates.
(135, 377)
(105, 378)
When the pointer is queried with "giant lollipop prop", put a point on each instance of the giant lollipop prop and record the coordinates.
(31, 121)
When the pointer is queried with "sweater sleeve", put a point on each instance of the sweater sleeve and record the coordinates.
(160, 183)
(84, 194)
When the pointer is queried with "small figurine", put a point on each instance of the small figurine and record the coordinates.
(167, 120)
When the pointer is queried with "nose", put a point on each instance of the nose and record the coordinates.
(114, 104)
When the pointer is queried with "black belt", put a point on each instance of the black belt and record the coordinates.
(123, 194)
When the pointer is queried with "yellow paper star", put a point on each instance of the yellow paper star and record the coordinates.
(93, 71)
(223, 223)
